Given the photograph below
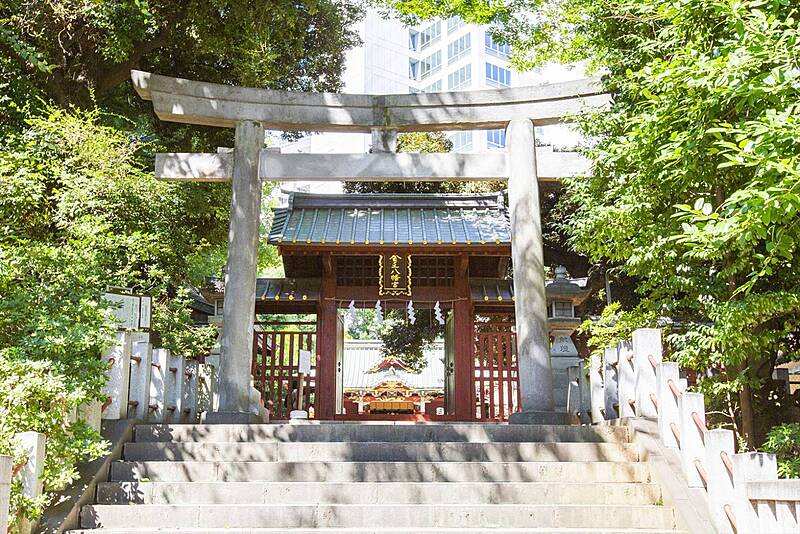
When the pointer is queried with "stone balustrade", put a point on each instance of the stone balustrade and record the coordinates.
(142, 383)
(154, 385)
(745, 495)
(149, 384)
(6, 468)
(28, 473)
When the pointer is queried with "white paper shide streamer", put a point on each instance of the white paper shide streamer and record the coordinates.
(412, 316)
(437, 310)
(351, 312)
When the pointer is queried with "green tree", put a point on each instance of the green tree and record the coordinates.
(694, 187)
(72, 48)
(79, 213)
(74, 52)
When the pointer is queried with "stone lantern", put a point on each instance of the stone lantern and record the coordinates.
(563, 294)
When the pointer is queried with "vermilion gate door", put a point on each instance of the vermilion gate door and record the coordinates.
(275, 370)
(496, 371)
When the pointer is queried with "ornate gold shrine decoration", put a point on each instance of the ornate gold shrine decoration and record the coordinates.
(394, 274)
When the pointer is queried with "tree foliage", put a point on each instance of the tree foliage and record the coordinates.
(78, 212)
(696, 167)
(72, 48)
(79, 207)
(74, 52)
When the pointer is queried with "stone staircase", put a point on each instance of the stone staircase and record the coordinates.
(359, 478)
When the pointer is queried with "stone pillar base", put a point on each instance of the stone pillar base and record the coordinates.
(538, 418)
(232, 418)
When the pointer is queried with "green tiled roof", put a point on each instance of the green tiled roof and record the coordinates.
(287, 289)
(358, 219)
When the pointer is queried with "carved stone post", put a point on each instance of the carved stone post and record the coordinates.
(240, 277)
(533, 344)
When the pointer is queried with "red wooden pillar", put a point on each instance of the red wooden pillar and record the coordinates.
(463, 318)
(326, 343)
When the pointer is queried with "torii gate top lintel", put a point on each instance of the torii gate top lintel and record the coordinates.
(202, 103)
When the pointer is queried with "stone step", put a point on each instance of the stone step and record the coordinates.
(383, 530)
(379, 471)
(374, 493)
(381, 451)
(368, 516)
(350, 432)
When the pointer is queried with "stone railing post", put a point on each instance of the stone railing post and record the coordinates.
(158, 370)
(691, 427)
(33, 443)
(647, 352)
(173, 388)
(585, 392)
(141, 369)
(667, 394)
(777, 504)
(573, 394)
(750, 467)
(597, 394)
(627, 379)
(190, 384)
(91, 412)
(6, 466)
(116, 389)
(610, 383)
(206, 388)
(719, 445)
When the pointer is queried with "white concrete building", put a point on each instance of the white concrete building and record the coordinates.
(438, 56)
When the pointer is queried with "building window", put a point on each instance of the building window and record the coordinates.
(497, 76)
(459, 48)
(435, 87)
(454, 23)
(413, 69)
(496, 138)
(495, 48)
(413, 40)
(357, 271)
(430, 35)
(460, 77)
(461, 141)
(433, 271)
(430, 64)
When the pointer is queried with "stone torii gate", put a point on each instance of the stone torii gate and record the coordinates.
(250, 111)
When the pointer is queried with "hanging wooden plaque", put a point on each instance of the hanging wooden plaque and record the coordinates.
(394, 274)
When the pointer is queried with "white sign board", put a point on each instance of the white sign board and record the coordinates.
(145, 307)
(304, 366)
(440, 410)
(126, 310)
(132, 312)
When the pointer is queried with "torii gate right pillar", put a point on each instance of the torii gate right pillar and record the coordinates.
(527, 253)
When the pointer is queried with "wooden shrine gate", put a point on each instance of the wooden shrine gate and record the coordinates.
(496, 369)
(275, 365)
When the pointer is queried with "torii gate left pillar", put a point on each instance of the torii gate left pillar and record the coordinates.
(240, 278)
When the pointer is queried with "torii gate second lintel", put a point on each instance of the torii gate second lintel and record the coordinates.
(251, 110)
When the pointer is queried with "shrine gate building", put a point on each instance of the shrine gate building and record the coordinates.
(454, 250)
